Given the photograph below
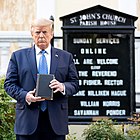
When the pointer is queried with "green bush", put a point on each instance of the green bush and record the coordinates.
(134, 132)
(7, 114)
(103, 130)
(71, 137)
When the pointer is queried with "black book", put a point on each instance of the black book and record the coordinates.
(42, 87)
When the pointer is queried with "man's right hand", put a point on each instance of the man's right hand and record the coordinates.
(31, 98)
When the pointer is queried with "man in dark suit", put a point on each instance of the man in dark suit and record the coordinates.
(31, 122)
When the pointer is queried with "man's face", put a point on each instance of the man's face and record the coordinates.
(42, 36)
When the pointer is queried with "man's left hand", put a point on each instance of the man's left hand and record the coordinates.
(56, 86)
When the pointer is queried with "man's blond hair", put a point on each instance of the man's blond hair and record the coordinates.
(42, 22)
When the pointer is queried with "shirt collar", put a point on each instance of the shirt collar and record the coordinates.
(48, 49)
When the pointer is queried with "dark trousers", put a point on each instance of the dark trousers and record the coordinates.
(44, 130)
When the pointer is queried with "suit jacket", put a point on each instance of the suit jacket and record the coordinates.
(21, 77)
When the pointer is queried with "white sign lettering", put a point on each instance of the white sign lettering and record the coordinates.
(92, 18)
(107, 40)
(82, 40)
(98, 93)
(83, 73)
(103, 23)
(88, 23)
(89, 103)
(86, 112)
(111, 103)
(118, 93)
(91, 82)
(115, 112)
(88, 61)
(80, 93)
(113, 82)
(107, 61)
(95, 67)
(104, 73)
(76, 61)
(113, 18)
(93, 51)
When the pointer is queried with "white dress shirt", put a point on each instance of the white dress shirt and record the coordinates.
(47, 55)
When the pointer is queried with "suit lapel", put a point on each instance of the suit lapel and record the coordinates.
(54, 60)
(32, 62)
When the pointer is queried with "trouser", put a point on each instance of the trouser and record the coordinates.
(44, 130)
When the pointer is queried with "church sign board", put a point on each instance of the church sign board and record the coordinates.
(102, 43)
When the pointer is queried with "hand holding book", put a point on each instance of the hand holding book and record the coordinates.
(31, 98)
(47, 85)
(42, 88)
(56, 86)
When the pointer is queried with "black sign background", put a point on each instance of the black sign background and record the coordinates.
(93, 51)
